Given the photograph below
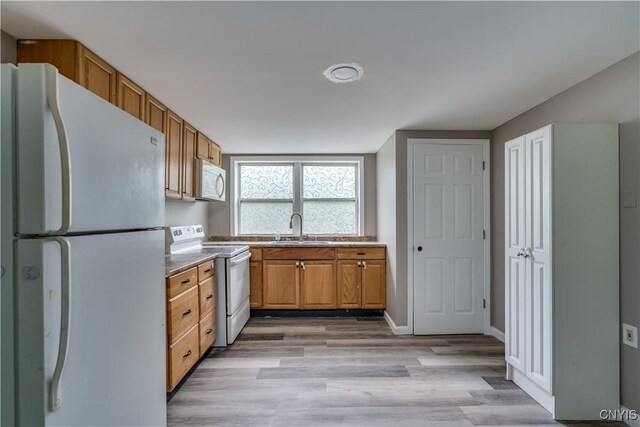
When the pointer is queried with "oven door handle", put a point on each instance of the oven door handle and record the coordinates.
(241, 260)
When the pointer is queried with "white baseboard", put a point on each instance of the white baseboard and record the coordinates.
(632, 423)
(497, 333)
(397, 330)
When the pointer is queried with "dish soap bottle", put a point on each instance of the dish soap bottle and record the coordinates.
(277, 239)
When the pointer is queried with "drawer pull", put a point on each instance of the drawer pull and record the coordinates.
(209, 331)
(186, 313)
(187, 354)
(207, 270)
(184, 282)
(362, 253)
(209, 296)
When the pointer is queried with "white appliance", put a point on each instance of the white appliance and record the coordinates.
(232, 278)
(561, 268)
(211, 182)
(83, 255)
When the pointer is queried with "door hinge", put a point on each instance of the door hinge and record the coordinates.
(484, 234)
(484, 303)
(483, 164)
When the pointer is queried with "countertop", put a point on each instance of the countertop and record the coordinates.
(174, 264)
(305, 244)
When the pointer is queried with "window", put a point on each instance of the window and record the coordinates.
(326, 192)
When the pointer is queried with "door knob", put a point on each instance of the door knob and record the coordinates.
(419, 248)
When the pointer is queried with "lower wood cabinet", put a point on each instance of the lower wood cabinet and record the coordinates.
(281, 284)
(318, 284)
(311, 278)
(191, 319)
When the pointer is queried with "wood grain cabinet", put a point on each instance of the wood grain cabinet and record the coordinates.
(75, 62)
(173, 156)
(183, 143)
(188, 162)
(130, 97)
(311, 278)
(191, 319)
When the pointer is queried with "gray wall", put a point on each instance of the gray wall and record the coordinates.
(386, 170)
(186, 213)
(7, 48)
(611, 96)
(220, 212)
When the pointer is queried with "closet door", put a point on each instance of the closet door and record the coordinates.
(515, 242)
(538, 264)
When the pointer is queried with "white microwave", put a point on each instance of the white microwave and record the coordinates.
(211, 181)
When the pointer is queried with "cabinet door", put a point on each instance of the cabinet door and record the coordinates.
(96, 75)
(281, 284)
(255, 286)
(173, 156)
(374, 291)
(538, 266)
(349, 294)
(188, 162)
(214, 154)
(318, 284)
(156, 114)
(130, 97)
(515, 242)
(202, 150)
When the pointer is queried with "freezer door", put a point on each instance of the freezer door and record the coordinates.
(110, 367)
(83, 164)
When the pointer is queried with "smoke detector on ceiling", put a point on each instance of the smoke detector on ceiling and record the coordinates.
(344, 73)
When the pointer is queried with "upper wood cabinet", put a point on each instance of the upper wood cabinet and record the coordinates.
(173, 156)
(188, 162)
(155, 114)
(97, 76)
(318, 284)
(215, 154)
(183, 143)
(130, 97)
(281, 284)
(73, 61)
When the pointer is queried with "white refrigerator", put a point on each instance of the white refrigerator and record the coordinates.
(83, 310)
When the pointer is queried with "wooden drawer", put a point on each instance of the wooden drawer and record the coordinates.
(207, 291)
(207, 332)
(183, 354)
(182, 314)
(300, 254)
(256, 254)
(181, 282)
(361, 253)
(205, 271)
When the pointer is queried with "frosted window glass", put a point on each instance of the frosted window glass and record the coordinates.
(329, 182)
(266, 182)
(265, 217)
(329, 217)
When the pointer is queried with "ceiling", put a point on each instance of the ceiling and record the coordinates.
(249, 74)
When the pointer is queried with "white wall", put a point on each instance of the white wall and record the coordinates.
(186, 213)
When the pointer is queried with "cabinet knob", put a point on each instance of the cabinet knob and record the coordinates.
(209, 296)
(187, 354)
(364, 264)
(186, 313)
(302, 265)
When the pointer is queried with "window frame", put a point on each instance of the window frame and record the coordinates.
(298, 200)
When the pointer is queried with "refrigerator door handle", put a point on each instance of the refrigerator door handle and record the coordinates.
(65, 156)
(55, 400)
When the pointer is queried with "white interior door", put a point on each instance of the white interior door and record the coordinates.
(538, 263)
(448, 253)
(515, 243)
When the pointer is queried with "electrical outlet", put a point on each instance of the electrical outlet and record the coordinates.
(630, 335)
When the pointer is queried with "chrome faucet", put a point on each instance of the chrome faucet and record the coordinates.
(291, 223)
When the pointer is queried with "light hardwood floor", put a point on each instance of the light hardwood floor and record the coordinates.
(352, 372)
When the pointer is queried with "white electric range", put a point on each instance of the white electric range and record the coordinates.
(232, 277)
